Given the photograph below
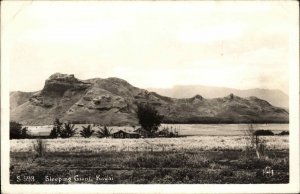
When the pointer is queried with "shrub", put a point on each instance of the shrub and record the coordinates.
(68, 130)
(39, 148)
(263, 132)
(104, 132)
(86, 132)
(284, 133)
(56, 130)
(149, 118)
(16, 131)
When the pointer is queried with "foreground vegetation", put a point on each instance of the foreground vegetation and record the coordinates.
(153, 167)
(193, 143)
(206, 159)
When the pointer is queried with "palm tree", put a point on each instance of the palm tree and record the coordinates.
(104, 132)
(87, 132)
(68, 130)
(56, 130)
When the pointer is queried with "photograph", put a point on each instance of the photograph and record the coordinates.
(143, 94)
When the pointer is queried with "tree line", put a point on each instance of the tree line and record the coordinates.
(148, 117)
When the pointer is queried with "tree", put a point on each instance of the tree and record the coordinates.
(16, 131)
(56, 130)
(104, 132)
(68, 130)
(24, 133)
(254, 142)
(149, 118)
(87, 132)
(263, 133)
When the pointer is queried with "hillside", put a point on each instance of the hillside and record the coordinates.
(17, 98)
(112, 101)
(274, 97)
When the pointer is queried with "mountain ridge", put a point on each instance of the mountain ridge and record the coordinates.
(274, 96)
(113, 101)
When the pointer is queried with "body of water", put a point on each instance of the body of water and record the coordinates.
(224, 129)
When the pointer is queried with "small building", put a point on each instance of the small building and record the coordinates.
(163, 133)
(143, 132)
(125, 134)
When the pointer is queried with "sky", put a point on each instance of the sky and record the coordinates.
(151, 44)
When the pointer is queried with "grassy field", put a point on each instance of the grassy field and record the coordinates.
(193, 143)
(205, 159)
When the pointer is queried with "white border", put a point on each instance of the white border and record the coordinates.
(292, 187)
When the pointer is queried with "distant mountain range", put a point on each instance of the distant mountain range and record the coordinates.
(113, 101)
(274, 97)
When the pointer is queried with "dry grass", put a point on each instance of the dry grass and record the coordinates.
(156, 144)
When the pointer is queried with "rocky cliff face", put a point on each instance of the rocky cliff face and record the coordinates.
(113, 101)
